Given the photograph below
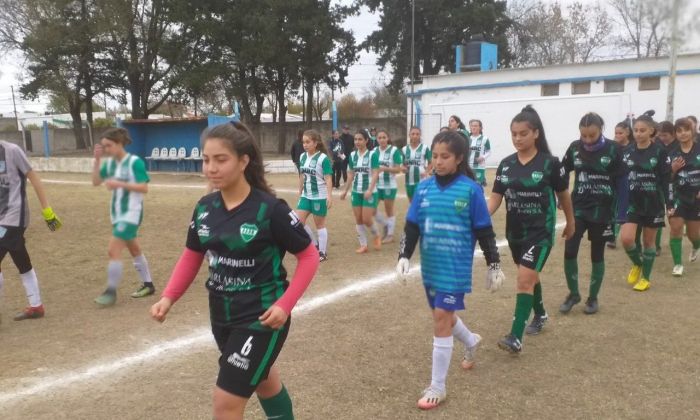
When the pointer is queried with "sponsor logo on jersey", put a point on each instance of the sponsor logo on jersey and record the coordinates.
(203, 231)
(537, 176)
(248, 232)
(202, 216)
(236, 263)
(605, 160)
(653, 161)
(239, 361)
(294, 218)
(461, 204)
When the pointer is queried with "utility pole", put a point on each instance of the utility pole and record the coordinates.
(674, 59)
(14, 106)
(413, 53)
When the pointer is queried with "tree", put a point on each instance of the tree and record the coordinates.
(644, 25)
(439, 26)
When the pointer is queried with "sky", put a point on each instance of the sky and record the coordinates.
(362, 76)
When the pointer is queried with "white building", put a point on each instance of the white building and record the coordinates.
(561, 94)
(57, 120)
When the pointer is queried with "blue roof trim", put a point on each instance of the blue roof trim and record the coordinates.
(553, 81)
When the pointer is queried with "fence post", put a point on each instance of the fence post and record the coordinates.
(45, 129)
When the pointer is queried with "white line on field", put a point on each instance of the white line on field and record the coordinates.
(173, 347)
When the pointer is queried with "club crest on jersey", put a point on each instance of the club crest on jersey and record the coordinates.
(461, 204)
(605, 160)
(537, 176)
(653, 162)
(248, 232)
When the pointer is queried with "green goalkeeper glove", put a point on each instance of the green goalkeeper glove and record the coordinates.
(52, 221)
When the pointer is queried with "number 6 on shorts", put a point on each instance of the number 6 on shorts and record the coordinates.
(247, 346)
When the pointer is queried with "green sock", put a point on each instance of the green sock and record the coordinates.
(648, 262)
(597, 273)
(537, 303)
(658, 238)
(633, 253)
(523, 306)
(571, 273)
(638, 237)
(279, 406)
(676, 245)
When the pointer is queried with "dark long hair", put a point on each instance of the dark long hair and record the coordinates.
(626, 125)
(532, 118)
(316, 137)
(592, 119)
(459, 122)
(648, 119)
(117, 135)
(456, 144)
(239, 139)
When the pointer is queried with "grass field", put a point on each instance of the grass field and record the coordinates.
(360, 345)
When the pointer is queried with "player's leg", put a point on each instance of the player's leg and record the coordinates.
(274, 398)
(596, 234)
(443, 343)
(657, 242)
(304, 208)
(3, 252)
(141, 266)
(648, 257)
(369, 210)
(675, 243)
(20, 257)
(359, 225)
(379, 217)
(320, 222)
(390, 217)
(228, 406)
(628, 236)
(115, 269)
(469, 339)
(526, 280)
(571, 248)
(693, 232)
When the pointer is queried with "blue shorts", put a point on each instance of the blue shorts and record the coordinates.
(447, 301)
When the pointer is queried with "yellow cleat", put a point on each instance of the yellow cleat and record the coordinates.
(633, 276)
(642, 285)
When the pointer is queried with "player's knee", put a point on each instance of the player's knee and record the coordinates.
(228, 406)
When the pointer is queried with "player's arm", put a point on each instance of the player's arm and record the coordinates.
(397, 159)
(98, 171)
(301, 182)
(494, 203)
(51, 219)
(374, 168)
(664, 174)
(351, 178)
(429, 165)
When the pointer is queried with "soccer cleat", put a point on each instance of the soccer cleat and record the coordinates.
(361, 250)
(633, 276)
(511, 344)
(108, 298)
(30, 312)
(322, 256)
(144, 291)
(591, 306)
(677, 270)
(377, 242)
(431, 398)
(694, 254)
(569, 303)
(642, 285)
(388, 239)
(536, 324)
(611, 245)
(470, 354)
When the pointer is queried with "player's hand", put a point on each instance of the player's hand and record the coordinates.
(97, 151)
(274, 317)
(677, 164)
(113, 184)
(494, 277)
(480, 159)
(670, 212)
(329, 202)
(343, 194)
(368, 194)
(161, 308)
(402, 269)
(568, 231)
(51, 219)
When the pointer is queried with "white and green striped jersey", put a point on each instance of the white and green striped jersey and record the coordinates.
(416, 160)
(480, 147)
(389, 158)
(126, 206)
(362, 166)
(314, 169)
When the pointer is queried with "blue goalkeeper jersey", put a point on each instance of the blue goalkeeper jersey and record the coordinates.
(447, 217)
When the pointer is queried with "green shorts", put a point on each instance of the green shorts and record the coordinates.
(317, 207)
(125, 231)
(386, 193)
(358, 200)
(410, 190)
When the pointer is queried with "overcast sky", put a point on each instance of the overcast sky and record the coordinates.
(361, 76)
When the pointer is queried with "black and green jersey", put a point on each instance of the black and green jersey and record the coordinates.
(529, 192)
(245, 246)
(649, 174)
(669, 148)
(686, 182)
(596, 173)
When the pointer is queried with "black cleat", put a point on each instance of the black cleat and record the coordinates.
(510, 343)
(591, 306)
(322, 256)
(569, 303)
(536, 324)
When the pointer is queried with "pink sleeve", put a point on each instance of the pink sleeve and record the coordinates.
(183, 275)
(306, 269)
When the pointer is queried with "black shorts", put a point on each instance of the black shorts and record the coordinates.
(646, 221)
(531, 256)
(247, 356)
(11, 238)
(687, 212)
(597, 232)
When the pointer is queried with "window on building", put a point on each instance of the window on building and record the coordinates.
(581, 88)
(649, 83)
(614, 85)
(550, 89)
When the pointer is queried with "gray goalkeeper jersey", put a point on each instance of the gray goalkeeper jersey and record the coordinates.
(14, 166)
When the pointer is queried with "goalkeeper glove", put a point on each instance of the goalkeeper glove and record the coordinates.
(52, 221)
(494, 277)
(402, 269)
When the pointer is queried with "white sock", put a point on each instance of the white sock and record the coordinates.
(462, 333)
(322, 239)
(361, 234)
(373, 229)
(141, 266)
(114, 274)
(31, 286)
(379, 218)
(311, 234)
(442, 353)
(390, 225)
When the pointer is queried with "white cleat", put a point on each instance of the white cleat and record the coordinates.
(677, 270)
(470, 354)
(694, 254)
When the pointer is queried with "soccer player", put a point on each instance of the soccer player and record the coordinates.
(417, 161)
(649, 195)
(685, 208)
(390, 164)
(15, 170)
(624, 139)
(666, 138)
(449, 215)
(529, 179)
(246, 230)
(338, 155)
(363, 177)
(480, 150)
(315, 186)
(125, 176)
(597, 164)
